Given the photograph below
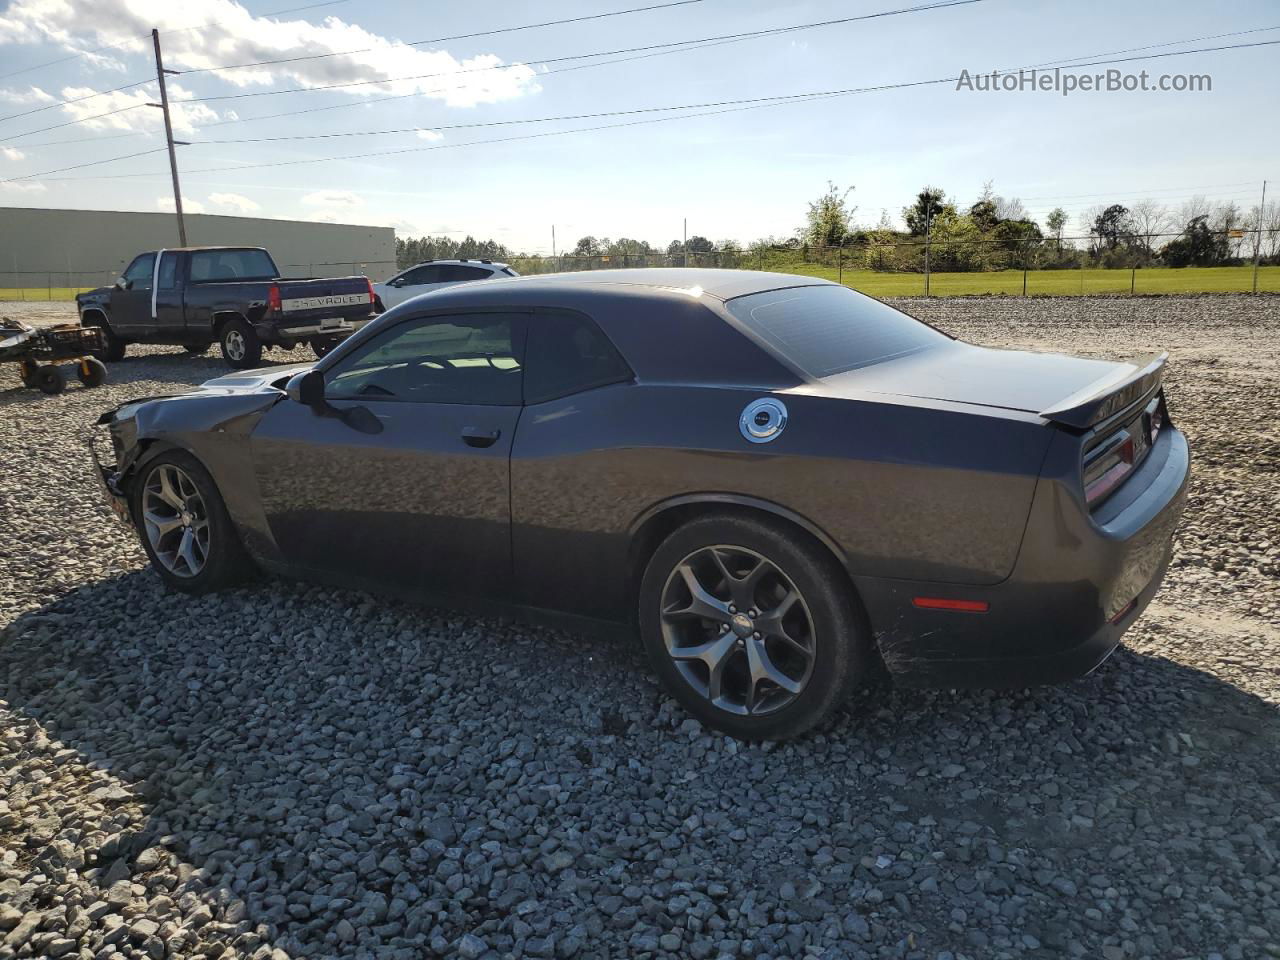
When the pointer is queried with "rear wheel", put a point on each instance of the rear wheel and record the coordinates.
(50, 379)
(241, 347)
(750, 626)
(113, 349)
(91, 371)
(324, 345)
(184, 525)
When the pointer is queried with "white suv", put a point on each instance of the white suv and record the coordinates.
(435, 274)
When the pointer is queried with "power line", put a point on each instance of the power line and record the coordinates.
(459, 36)
(727, 37)
(131, 40)
(650, 50)
(72, 123)
(730, 106)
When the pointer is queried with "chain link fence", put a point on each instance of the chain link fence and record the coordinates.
(883, 265)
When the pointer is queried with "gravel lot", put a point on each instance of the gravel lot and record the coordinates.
(287, 771)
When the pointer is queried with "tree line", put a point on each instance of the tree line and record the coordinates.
(993, 232)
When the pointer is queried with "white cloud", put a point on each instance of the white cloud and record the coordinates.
(325, 216)
(232, 201)
(188, 205)
(322, 198)
(23, 186)
(231, 34)
(11, 154)
(432, 135)
(32, 95)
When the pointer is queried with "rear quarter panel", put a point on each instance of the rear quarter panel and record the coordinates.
(900, 490)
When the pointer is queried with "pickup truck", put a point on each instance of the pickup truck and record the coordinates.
(194, 296)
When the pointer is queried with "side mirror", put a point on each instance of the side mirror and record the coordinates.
(307, 388)
(123, 284)
(398, 282)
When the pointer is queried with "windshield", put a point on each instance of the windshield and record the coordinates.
(209, 265)
(825, 330)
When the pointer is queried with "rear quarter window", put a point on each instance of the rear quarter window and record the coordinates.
(826, 330)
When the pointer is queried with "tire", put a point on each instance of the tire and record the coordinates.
(322, 347)
(50, 379)
(92, 372)
(114, 350)
(191, 499)
(197, 349)
(27, 370)
(241, 347)
(828, 652)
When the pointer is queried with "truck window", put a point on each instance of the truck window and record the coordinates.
(212, 265)
(140, 271)
(168, 271)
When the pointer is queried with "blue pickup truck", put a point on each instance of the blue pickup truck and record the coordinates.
(194, 296)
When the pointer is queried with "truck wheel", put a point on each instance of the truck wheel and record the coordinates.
(241, 347)
(321, 347)
(114, 349)
(92, 372)
(49, 379)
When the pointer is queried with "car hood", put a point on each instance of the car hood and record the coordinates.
(253, 381)
(981, 376)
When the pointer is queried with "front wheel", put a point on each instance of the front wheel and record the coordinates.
(241, 347)
(184, 525)
(751, 626)
(113, 349)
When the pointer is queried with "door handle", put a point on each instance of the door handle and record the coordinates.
(475, 437)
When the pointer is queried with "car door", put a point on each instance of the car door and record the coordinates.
(169, 321)
(130, 306)
(410, 283)
(416, 496)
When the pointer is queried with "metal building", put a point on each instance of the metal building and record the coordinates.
(88, 248)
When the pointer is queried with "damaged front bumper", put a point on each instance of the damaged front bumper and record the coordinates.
(106, 473)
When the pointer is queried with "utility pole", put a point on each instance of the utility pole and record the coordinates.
(1257, 237)
(553, 247)
(928, 218)
(168, 135)
(686, 241)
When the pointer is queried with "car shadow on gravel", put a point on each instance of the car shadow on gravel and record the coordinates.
(330, 764)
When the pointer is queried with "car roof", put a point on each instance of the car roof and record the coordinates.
(719, 284)
(496, 264)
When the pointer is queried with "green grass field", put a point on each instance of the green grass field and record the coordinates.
(41, 293)
(1057, 283)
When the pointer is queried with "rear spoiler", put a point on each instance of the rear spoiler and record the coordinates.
(1107, 397)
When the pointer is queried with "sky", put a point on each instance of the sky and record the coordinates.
(461, 165)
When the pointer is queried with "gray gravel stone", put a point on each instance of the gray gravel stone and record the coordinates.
(286, 771)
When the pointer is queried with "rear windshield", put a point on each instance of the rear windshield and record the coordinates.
(231, 265)
(825, 330)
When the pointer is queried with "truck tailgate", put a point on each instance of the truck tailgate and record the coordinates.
(313, 299)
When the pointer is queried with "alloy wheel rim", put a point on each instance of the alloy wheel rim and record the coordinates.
(738, 630)
(176, 520)
(235, 345)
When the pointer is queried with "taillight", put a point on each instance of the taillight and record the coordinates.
(369, 282)
(273, 299)
(1106, 469)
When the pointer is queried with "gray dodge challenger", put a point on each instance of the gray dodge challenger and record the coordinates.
(775, 480)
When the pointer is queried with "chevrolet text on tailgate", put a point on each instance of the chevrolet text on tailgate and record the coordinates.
(194, 296)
